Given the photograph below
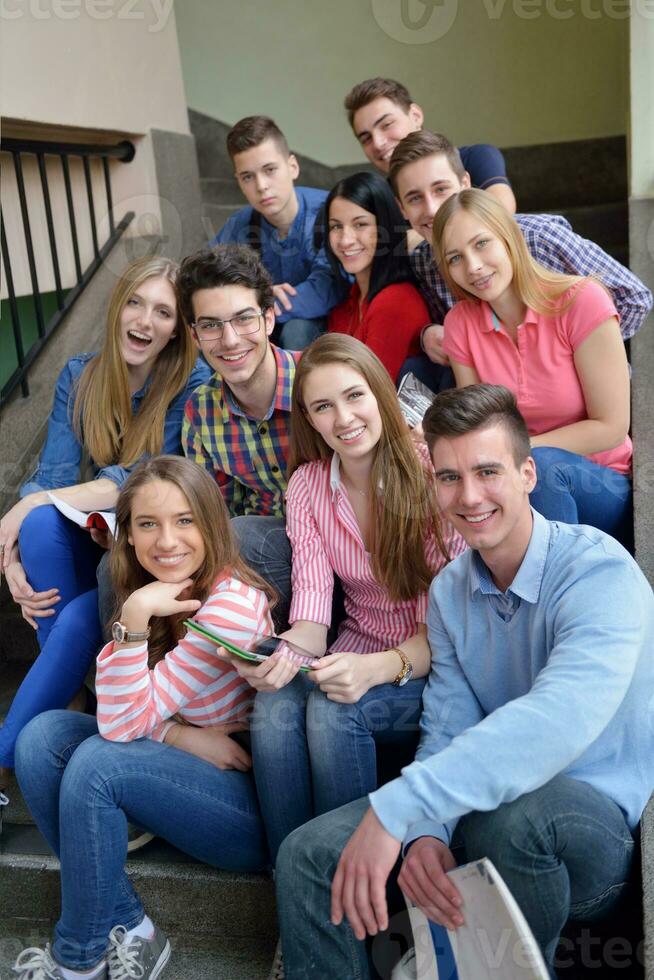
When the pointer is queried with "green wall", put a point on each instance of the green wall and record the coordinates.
(512, 72)
(28, 327)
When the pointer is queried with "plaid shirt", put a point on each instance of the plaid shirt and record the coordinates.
(246, 456)
(554, 244)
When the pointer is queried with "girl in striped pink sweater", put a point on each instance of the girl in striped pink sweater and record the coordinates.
(360, 506)
(174, 706)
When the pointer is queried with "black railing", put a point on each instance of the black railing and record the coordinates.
(16, 149)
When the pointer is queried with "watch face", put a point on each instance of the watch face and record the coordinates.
(118, 632)
(407, 676)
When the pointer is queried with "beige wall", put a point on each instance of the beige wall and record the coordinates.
(512, 72)
(68, 70)
(642, 105)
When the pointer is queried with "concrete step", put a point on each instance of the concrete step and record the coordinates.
(193, 957)
(179, 893)
(17, 638)
(221, 190)
(606, 224)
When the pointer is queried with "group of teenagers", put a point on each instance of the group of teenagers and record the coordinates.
(464, 666)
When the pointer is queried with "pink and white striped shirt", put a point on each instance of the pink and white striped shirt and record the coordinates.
(326, 539)
(191, 680)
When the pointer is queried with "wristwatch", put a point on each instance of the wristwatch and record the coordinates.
(406, 673)
(121, 634)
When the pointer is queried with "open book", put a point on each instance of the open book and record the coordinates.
(104, 520)
(415, 398)
(495, 943)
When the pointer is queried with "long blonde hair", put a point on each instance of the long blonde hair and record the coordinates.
(537, 287)
(102, 412)
(407, 506)
(212, 519)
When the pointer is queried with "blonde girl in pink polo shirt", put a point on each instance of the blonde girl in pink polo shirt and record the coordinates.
(554, 340)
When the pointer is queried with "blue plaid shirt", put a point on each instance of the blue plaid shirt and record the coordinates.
(554, 244)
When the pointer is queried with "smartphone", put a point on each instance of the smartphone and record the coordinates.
(261, 649)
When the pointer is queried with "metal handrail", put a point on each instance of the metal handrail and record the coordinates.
(123, 152)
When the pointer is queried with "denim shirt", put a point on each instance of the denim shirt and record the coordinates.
(61, 456)
(293, 259)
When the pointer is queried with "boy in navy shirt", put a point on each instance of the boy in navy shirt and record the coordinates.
(381, 112)
(278, 223)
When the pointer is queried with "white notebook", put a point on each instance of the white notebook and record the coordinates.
(101, 519)
(494, 944)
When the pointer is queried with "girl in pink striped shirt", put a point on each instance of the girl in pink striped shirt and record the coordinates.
(186, 779)
(359, 506)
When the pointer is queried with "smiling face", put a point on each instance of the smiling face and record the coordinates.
(239, 360)
(147, 322)
(343, 410)
(381, 124)
(162, 530)
(265, 175)
(423, 186)
(484, 494)
(476, 258)
(352, 236)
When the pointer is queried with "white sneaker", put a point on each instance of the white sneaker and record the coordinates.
(38, 964)
(141, 959)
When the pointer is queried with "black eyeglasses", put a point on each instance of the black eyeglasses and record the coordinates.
(242, 324)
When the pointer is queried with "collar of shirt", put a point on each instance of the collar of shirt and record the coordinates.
(527, 582)
(335, 482)
(286, 363)
(489, 323)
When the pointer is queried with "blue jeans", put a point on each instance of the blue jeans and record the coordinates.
(564, 850)
(81, 789)
(312, 755)
(296, 334)
(264, 545)
(55, 552)
(576, 490)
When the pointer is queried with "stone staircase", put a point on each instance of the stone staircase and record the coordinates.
(222, 925)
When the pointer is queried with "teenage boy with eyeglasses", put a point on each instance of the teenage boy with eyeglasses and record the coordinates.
(279, 224)
(237, 426)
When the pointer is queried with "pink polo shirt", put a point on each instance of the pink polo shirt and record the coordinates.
(539, 369)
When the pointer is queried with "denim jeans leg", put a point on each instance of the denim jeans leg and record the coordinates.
(58, 672)
(345, 739)
(56, 554)
(576, 490)
(264, 545)
(312, 946)
(207, 812)
(280, 756)
(298, 333)
(564, 850)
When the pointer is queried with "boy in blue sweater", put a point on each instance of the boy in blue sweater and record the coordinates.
(279, 224)
(537, 745)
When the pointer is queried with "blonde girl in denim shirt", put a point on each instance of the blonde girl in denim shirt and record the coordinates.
(110, 410)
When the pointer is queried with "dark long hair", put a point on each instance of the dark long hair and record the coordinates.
(372, 193)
